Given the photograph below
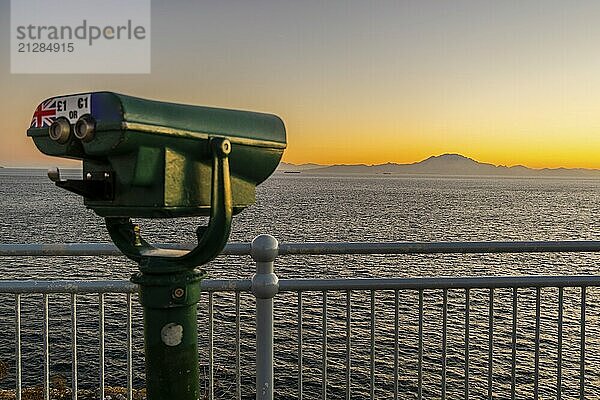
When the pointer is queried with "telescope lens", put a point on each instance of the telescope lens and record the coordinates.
(84, 128)
(60, 130)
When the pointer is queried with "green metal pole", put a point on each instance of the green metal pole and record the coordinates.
(170, 289)
(170, 333)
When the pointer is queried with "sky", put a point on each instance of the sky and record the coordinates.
(506, 82)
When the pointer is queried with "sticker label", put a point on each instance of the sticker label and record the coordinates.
(171, 334)
(69, 107)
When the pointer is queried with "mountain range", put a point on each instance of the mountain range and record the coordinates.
(445, 164)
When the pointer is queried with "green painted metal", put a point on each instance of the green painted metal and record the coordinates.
(170, 333)
(170, 289)
(211, 239)
(151, 159)
(159, 154)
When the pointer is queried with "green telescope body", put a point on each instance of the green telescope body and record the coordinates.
(152, 159)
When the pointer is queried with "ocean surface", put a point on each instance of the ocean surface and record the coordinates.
(304, 207)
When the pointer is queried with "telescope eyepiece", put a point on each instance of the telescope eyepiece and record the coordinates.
(60, 130)
(85, 128)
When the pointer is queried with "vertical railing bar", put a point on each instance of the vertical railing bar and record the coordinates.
(211, 386)
(513, 368)
(129, 350)
(46, 348)
(538, 314)
(101, 342)
(18, 367)
(490, 371)
(348, 344)
(420, 352)
(582, 350)
(238, 344)
(560, 338)
(74, 346)
(300, 356)
(396, 341)
(372, 346)
(444, 339)
(324, 348)
(467, 328)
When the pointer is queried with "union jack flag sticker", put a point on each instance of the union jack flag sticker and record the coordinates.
(44, 114)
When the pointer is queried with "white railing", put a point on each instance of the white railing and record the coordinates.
(479, 302)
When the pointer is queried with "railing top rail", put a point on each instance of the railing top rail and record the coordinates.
(63, 286)
(438, 247)
(323, 248)
(300, 285)
(484, 282)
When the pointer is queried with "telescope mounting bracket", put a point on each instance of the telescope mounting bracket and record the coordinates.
(211, 238)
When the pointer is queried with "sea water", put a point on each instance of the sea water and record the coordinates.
(305, 207)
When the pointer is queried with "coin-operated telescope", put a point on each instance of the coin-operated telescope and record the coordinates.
(152, 159)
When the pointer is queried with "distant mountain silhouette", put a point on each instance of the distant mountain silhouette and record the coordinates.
(285, 167)
(446, 164)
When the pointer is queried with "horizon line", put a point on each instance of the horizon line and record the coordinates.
(439, 155)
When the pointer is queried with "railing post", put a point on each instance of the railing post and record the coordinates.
(265, 286)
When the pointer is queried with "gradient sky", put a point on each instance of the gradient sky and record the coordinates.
(507, 82)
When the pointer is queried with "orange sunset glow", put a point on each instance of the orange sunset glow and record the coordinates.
(359, 83)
